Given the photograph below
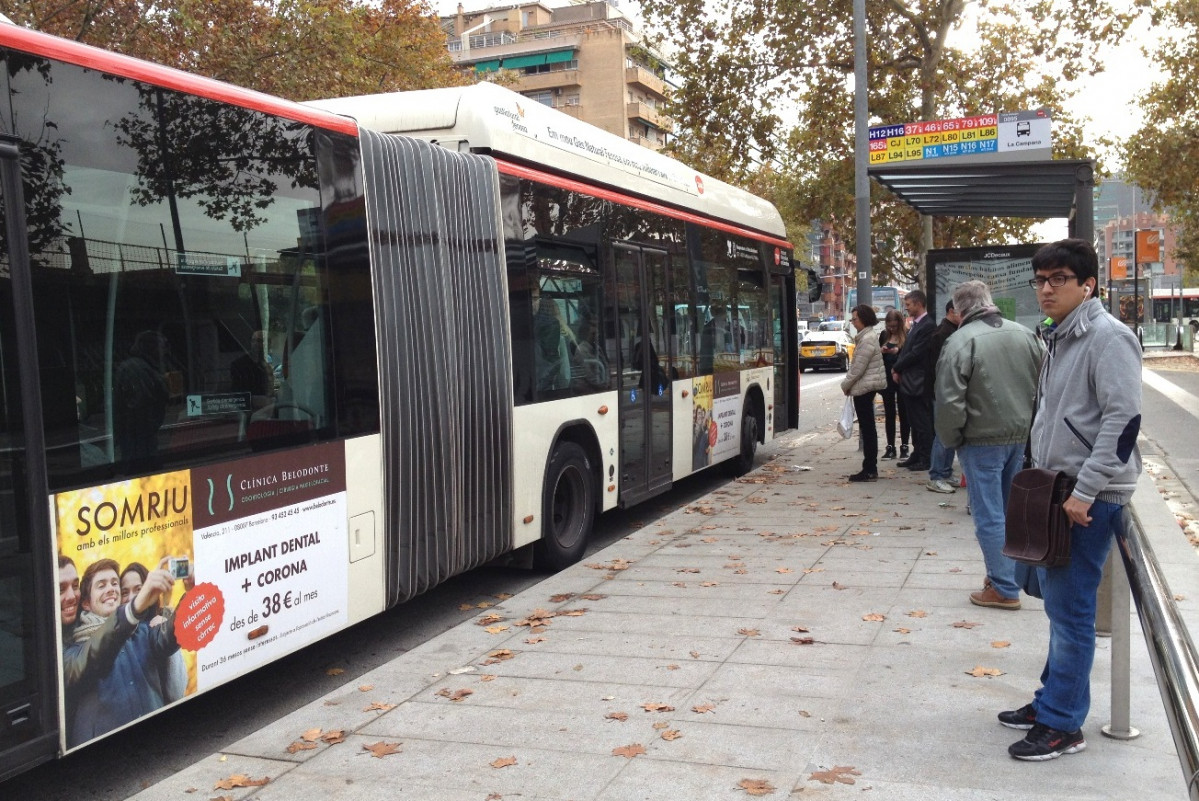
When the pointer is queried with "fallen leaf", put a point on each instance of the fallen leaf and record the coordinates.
(487, 677)
(755, 499)
(965, 624)
(484, 605)
(982, 672)
(801, 629)
(534, 640)
(489, 619)
(495, 629)
(709, 584)
(560, 597)
(456, 695)
(917, 613)
(366, 688)
(573, 612)
(498, 656)
(503, 762)
(840, 773)
(902, 630)
(592, 596)
(1000, 644)
(240, 780)
(503, 596)
(775, 592)
(334, 736)
(688, 570)
(629, 751)
(808, 570)
(803, 713)
(661, 724)
(874, 617)
(311, 735)
(783, 570)
(299, 746)
(465, 607)
(671, 734)
(378, 706)
(756, 786)
(702, 708)
(656, 707)
(382, 749)
(748, 632)
(621, 716)
(335, 671)
(803, 640)
(673, 667)
(839, 586)
(694, 654)
(1179, 597)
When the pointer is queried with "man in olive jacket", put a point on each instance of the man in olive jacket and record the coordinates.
(986, 386)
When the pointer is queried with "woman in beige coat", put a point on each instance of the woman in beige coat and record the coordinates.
(865, 377)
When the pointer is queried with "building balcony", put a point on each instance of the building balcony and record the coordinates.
(557, 79)
(652, 144)
(646, 112)
(646, 80)
(508, 45)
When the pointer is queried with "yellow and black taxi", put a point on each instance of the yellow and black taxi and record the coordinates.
(825, 349)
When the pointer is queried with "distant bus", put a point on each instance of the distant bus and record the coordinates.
(1166, 304)
(882, 298)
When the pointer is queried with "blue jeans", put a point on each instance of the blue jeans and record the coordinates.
(940, 466)
(1064, 698)
(989, 472)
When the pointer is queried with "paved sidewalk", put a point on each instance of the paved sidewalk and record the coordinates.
(784, 631)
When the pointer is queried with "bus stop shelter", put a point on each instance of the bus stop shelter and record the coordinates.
(1044, 189)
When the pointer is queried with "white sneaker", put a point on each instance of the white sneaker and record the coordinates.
(937, 485)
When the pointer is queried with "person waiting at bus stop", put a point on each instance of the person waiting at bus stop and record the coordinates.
(1087, 420)
(865, 377)
(911, 373)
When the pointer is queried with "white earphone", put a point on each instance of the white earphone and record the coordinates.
(1086, 290)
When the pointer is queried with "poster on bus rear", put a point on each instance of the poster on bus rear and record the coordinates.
(174, 583)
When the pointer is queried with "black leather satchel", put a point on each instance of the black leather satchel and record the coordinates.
(1038, 530)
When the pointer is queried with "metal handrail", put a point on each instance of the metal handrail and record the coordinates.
(1171, 650)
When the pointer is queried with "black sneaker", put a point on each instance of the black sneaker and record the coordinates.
(1044, 743)
(863, 476)
(903, 451)
(889, 453)
(1021, 718)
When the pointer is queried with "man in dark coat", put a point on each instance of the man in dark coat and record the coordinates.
(913, 375)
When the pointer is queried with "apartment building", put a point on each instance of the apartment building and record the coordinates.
(586, 60)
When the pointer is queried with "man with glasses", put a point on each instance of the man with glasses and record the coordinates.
(1087, 419)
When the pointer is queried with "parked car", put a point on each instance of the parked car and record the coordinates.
(825, 349)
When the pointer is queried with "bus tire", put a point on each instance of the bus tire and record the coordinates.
(744, 461)
(567, 509)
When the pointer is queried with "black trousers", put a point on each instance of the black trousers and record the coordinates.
(863, 405)
(920, 415)
(894, 407)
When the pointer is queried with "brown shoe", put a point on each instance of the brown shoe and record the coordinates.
(989, 596)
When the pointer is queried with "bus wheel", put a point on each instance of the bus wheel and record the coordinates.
(567, 509)
(749, 443)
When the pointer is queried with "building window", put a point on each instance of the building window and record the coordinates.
(545, 98)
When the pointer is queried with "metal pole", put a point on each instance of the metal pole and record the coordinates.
(1121, 613)
(861, 182)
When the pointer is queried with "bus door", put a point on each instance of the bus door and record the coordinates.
(644, 315)
(28, 680)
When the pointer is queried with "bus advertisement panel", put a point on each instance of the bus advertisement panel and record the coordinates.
(251, 556)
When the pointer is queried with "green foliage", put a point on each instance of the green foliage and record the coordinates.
(1163, 156)
(297, 49)
(769, 82)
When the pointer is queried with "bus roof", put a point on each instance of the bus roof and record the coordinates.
(488, 118)
(42, 44)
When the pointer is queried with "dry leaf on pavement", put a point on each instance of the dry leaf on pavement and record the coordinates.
(335, 671)
(702, 708)
(756, 786)
(748, 632)
(982, 672)
(1000, 644)
(503, 762)
(311, 735)
(382, 749)
(917, 613)
(366, 688)
(902, 630)
(495, 629)
(334, 736)
(840, 773)
(560, 597)
(874, 617)
(456, 695)
(803, 640)
(839, 586)
(298, 746)
(656, 707)
(671, 734)
(965, 624)
(378, 706)
(621, 716)
(240, 780)
(629, 751)
(489, 619)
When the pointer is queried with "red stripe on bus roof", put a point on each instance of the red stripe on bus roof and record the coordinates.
(82, 55)
(628, 200)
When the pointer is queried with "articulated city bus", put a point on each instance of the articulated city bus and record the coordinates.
(269, 369)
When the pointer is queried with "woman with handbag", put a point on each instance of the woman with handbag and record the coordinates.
(864, 379)
(891, 340)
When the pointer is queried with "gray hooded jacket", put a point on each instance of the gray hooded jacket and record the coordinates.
(1089, 407)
